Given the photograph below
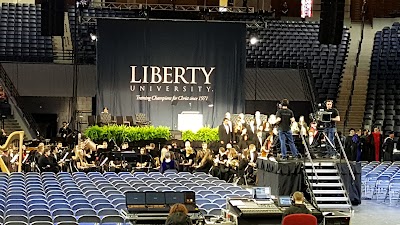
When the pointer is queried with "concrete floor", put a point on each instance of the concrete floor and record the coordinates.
(372, 212)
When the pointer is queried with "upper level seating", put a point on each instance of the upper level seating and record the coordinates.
(98, 198)
(383, 97)
(20, 34)
(294, 44)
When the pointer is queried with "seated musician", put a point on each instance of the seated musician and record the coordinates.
(144, 160)
(253, 155)
(298, 207)
(187, 159)
(244, 143)
(45, 163)
(232, 164)
(39, 152)
(117, 165)
(243, 165)
(204, 160)
(125, 147)
(220, 169)
(3, 137)
(81, 162)
(54, 157)
(6, 156)
(168, 164)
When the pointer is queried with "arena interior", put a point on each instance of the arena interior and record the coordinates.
(122, 111)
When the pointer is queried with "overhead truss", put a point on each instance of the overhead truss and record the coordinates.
(171, 7)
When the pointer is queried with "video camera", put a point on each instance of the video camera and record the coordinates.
(321, 117)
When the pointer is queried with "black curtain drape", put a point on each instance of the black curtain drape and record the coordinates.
(126, 44)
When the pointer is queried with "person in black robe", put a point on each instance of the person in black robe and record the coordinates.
(388, 147)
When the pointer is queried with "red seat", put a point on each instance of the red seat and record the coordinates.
(299, 219)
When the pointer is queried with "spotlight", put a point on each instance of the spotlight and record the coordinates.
(253, 40)
(93, 37)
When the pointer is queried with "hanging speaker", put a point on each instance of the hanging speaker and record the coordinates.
(331, 23)
(53, 18)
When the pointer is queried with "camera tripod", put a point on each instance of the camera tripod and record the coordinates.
(316, 143)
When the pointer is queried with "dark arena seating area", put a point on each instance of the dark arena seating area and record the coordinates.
(20, 34)
(382, 108)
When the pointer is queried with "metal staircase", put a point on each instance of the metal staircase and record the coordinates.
(327, 186)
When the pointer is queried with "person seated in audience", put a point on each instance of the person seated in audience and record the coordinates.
(178, 215)
(81, 162)
(144, 160)
(168, 164)
(298, 207)
(206, 161)
(187, 159)
(45, 163)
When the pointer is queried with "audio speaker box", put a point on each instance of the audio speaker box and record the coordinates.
(331, 24)
(53, 18)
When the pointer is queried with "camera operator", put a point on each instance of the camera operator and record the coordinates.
(330, 128)
(284, 117)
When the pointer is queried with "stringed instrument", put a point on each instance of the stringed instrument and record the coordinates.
(16, 135)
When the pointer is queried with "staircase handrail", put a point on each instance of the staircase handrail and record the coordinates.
(345, 157)
(14, 97)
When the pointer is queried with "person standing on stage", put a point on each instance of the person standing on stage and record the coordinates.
(330, 128)
(224, 132)
(64, 132)
(284, 117)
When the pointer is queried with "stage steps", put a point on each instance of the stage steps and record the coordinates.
(327, 186)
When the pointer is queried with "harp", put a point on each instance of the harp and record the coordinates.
(16, 135)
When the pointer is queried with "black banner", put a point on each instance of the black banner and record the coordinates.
(162, 68)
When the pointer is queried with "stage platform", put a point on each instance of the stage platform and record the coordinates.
(286, 177)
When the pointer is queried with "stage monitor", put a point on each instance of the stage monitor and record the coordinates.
(284, 201)
(262, 193)
(155, 198)
(174, 197)
(135, 199)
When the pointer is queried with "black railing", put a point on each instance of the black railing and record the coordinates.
(350, 99)
(13, 95)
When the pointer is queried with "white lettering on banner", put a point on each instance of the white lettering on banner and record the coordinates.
(169, 75)
(171, 98)
(193, 81)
